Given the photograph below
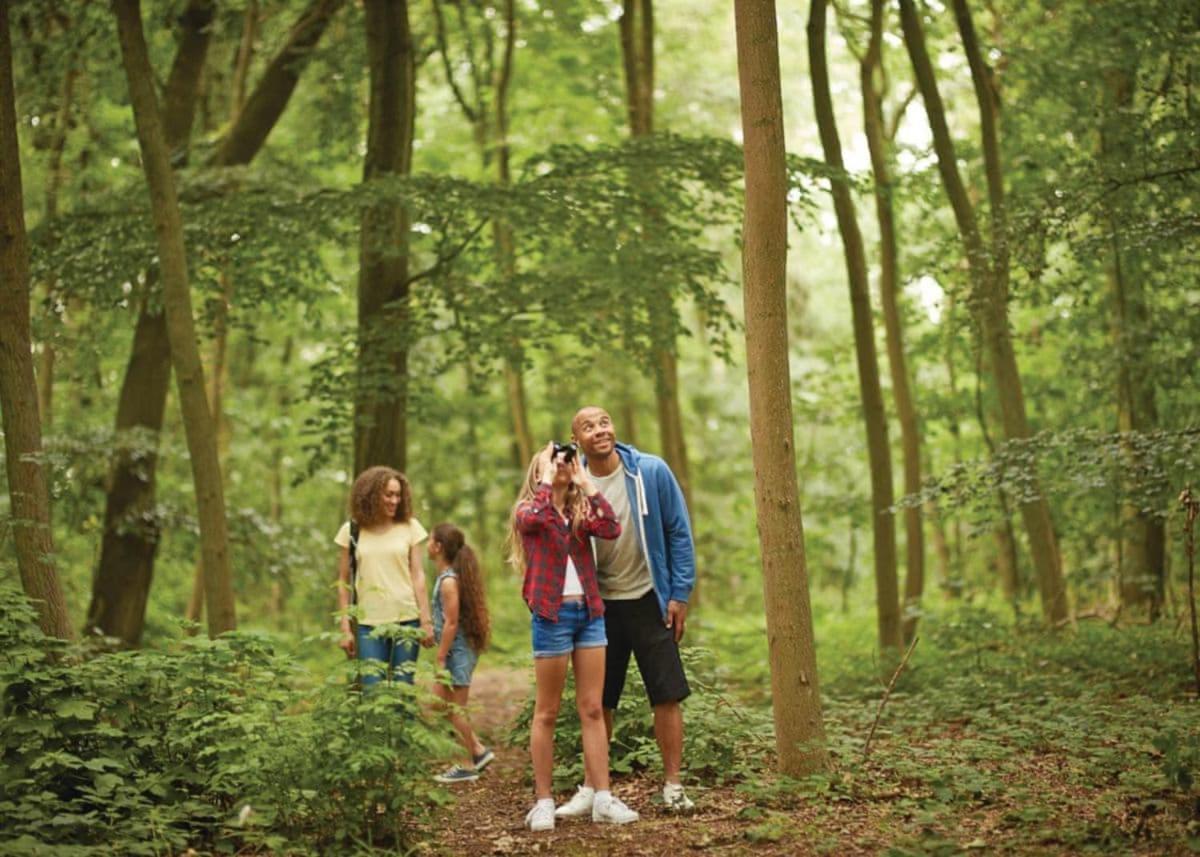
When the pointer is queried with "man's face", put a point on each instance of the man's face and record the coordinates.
(593, 431)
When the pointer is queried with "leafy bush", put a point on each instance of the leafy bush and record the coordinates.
(722, 740)
(206, 746)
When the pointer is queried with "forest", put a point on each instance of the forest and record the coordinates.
(906, 295)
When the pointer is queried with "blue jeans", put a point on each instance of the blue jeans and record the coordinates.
(390, 650)
(573, 630)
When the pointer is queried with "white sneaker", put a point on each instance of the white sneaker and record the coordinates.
(580, 804)
(541, 817)
(612, 811)
(676, 799)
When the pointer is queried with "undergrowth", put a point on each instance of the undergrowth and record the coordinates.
(206, 746)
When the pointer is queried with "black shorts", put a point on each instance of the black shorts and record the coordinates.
(636, 627)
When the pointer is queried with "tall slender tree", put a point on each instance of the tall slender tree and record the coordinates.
(27, 487)
(795, 701)
(381, 401)
(637, 52)
(484, 103)
(880, 140)
(883, 523)
(1142, 554)
(181, 331)
(63, 118)
(988, 268)
(130, 538)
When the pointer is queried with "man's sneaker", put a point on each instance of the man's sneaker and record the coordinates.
(612, 811)
(676, 799)
(457, 774)
(541, 817)
(580, 804)
(483, 759)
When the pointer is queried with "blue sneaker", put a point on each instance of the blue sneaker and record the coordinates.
(457, 774)
(483, 759)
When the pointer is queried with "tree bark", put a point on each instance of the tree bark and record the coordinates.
(131, 535)
(54, 180)
(1142, 547)
(883, 525)
(217, 374)
(381, 403)
(796, 703)
(636, 26)
(879, 147)
(245, 53)
(274, 89)
(129, 544)
(503, 234)
(1005, 561)
(181, 332)
(27, 489)
(989, 299)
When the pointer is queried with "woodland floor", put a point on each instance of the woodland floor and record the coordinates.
(1046, 810)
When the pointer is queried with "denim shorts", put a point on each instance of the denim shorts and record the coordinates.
(573, 630)
(460, 661)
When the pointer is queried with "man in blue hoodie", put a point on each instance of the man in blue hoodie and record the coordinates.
(646, 577)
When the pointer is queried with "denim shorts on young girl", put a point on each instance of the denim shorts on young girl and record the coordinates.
(461, 661)
(573, 630)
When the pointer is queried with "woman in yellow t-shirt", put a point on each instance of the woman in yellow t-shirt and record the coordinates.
(391, 577)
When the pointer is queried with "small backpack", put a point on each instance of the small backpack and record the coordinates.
(353, 563)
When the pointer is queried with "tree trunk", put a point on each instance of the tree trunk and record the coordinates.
(381, 404)
(129, 544)
(1006, 561)
(274, 89)
(503, 235)
(889, 297)
(989, 300)
(637, 51)
(1143, 543)
(218, 371)
(27, 489)
(796, 703)
(883, 525)
(1140, 536)
(131, 535)
(181, 332)
(245, 53)
(54, 180)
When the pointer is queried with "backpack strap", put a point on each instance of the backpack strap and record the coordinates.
(353, 563)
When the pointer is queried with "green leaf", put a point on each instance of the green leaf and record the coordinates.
(77, 709)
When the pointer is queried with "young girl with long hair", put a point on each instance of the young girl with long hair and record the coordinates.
(461, 626)
(390, 583)
(557, 512)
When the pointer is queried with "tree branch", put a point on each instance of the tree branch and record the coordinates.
(887, 694)
(444, 49)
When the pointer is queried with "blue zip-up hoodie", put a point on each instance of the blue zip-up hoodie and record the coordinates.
(661, 520)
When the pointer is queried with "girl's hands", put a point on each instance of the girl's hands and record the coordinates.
(580, 478)
(546, 464)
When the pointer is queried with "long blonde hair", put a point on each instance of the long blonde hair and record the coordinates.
(578, 509)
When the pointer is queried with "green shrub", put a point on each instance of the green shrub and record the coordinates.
(206, 746)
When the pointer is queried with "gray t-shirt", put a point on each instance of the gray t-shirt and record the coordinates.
(621, 567)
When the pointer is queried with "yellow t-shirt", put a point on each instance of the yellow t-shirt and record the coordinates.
(385, 591)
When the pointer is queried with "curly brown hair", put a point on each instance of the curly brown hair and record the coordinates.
(473, 614)
(366, 497)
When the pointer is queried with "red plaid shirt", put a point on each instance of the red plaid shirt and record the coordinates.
(548, 539)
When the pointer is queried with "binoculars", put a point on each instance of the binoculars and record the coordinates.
(566, 450)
